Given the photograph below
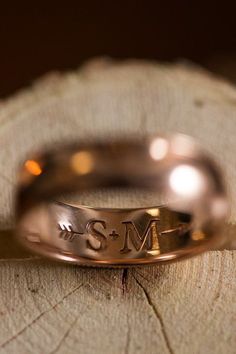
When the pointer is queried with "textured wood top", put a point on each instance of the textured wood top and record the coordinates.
(180, 308)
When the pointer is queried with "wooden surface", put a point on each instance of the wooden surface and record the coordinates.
(188, 307)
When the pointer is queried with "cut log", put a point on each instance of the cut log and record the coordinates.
(182, 308)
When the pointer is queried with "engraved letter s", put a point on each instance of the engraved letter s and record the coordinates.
(92, 231)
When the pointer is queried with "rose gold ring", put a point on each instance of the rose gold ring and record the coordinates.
(188, 223)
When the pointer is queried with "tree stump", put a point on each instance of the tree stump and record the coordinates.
(182, 308)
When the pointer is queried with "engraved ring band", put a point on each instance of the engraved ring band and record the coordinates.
(188, 223)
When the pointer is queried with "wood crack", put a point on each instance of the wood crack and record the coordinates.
(124, 280)
(219, 281)
(65, 336)
(3, 345)
(156, 313)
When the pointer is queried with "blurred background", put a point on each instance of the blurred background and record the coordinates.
(36, 38)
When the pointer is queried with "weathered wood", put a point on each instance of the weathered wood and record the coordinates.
(188, 307)
(179, 308)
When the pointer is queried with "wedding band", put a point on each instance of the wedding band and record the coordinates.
(189, 223)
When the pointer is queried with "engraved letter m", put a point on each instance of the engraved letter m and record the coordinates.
(148, 241)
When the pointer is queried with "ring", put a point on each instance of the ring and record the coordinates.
(187, 223)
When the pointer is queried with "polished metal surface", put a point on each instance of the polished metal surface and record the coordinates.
(189, 223)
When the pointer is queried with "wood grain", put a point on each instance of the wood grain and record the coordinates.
(55, 308)
(182, 308)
